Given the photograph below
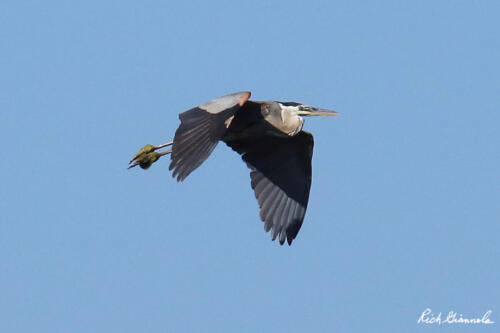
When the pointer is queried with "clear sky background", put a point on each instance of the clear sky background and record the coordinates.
(404, 209)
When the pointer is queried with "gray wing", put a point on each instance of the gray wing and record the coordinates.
(281, 179)
(200, 130)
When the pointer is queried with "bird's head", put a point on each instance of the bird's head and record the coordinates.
(307, 110)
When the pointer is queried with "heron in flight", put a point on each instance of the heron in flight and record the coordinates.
(269, 137)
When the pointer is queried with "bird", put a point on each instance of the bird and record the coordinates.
(269, 137)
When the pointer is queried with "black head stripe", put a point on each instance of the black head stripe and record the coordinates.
(290, 103)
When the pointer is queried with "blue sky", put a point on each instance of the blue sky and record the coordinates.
(403, 212)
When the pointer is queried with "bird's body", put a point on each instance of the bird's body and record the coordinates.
(255, 119)
(270, 139)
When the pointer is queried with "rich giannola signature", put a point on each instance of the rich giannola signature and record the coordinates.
(427, 317)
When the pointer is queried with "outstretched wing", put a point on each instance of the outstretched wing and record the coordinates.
(200, 130)
(281, 179)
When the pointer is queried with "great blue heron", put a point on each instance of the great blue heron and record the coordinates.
(270, 139)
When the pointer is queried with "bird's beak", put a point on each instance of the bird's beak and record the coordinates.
(312, 111)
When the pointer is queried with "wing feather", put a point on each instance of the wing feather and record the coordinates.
(281, 179)
(200, 130)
